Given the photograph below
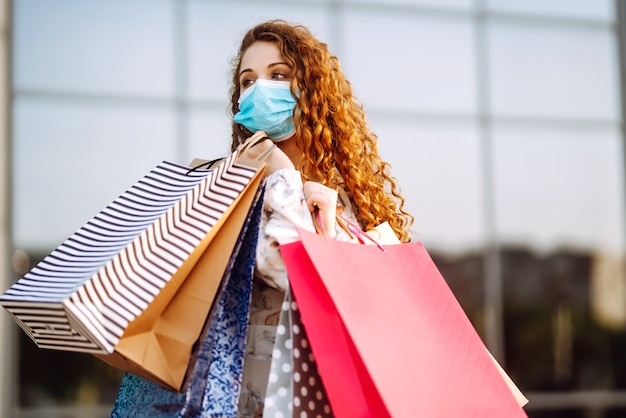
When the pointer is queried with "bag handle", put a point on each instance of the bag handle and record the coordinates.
(197, 164)
(355, 231)
(241, 149)
(266, 153)
(352, 230)
(250, 142)
(317, 222)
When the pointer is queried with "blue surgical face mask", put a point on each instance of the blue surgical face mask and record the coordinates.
(268, 106)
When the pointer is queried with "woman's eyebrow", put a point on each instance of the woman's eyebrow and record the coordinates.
(273, 64)
(277, 63)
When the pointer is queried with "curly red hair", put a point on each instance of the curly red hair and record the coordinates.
(331, 126)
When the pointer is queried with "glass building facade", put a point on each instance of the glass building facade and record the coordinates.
(502, 120)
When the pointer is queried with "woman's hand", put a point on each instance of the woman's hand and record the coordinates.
(325, 200)
(275, 161)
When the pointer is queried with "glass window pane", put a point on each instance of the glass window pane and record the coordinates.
(215, 31)
(559, 186)
(431, 4)
(586, 9)
(209, 134)
(558, 72)
(410, 62)
(115, 46)
(437, 166)
(72, 159)
(560, 218)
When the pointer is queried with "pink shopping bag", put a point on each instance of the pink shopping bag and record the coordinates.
(388, 335)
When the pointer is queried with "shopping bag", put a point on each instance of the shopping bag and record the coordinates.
(216, 372)
(384, 235)
(115, 287)
(389, 337)
(295, 387)
(159, 343)
(279, 392)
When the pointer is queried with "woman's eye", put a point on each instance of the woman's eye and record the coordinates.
(279, 76)
(246, 83)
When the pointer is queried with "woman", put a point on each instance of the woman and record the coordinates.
(287, 85)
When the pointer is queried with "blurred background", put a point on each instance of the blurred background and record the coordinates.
(503, 121)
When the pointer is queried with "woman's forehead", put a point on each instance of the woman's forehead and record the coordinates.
(261, 53)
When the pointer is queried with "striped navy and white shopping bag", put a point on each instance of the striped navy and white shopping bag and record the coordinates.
(85, 293)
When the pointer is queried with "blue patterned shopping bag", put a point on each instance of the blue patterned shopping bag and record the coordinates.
(215, 382)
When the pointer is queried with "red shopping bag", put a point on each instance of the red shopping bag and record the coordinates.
(388, 335)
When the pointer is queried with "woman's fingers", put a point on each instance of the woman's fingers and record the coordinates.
(316, 194)
(324, 199)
